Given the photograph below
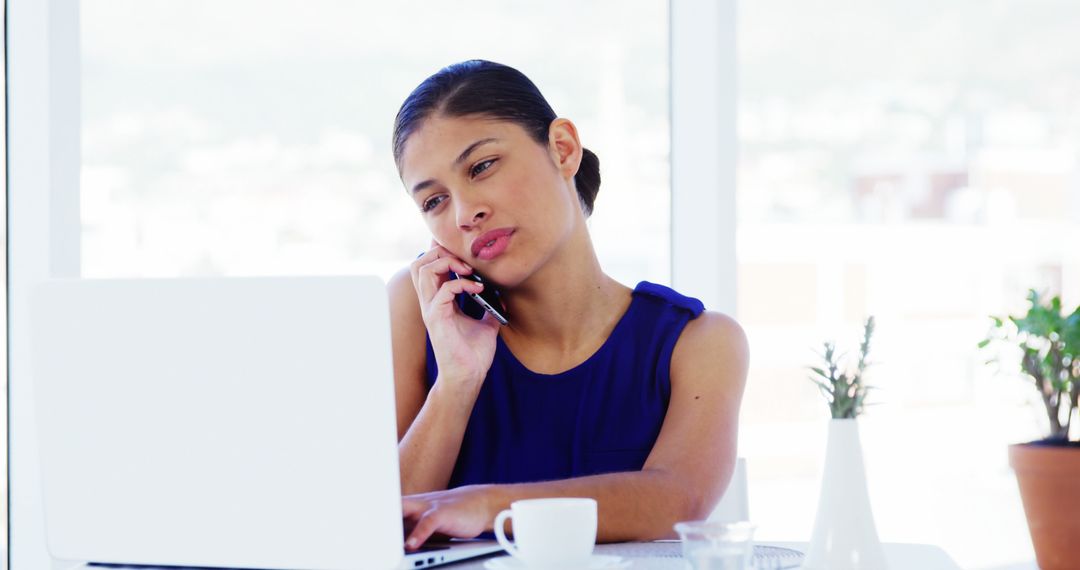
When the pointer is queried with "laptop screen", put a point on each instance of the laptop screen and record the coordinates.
(234, 422)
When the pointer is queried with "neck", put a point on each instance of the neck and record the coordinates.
(568, 302)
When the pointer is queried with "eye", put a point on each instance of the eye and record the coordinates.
(476, 170)
(432, 202)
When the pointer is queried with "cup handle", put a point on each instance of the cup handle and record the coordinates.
(500, 534)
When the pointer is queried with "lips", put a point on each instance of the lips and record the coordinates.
(491, 244)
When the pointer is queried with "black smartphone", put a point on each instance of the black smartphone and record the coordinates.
(488, 298)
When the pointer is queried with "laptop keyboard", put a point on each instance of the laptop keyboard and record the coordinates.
(418, 551)
(426, 549)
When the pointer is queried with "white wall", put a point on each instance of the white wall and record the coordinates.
(43, 139)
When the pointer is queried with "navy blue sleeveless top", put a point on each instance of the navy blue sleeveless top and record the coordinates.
(601, 416)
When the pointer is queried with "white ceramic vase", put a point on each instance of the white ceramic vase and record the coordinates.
(844, 536)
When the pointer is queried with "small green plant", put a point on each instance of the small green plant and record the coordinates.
(1049, 344)
(844, 390)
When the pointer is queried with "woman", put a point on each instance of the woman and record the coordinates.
(593, 389)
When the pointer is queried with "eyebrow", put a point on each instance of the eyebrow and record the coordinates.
(461, 158)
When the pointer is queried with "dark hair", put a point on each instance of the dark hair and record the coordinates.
(493, 90)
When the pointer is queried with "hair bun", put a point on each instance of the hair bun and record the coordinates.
(587, 179)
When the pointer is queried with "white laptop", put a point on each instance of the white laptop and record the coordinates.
(234, 422)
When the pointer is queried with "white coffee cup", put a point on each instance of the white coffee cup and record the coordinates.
(550, 533)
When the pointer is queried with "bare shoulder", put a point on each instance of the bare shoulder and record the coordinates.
(402, 294)
(711, 342)
(406, 322)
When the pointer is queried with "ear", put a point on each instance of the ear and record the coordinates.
(564, 147)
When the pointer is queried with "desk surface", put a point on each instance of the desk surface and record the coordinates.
(667, 556)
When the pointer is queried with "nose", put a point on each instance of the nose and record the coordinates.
(471, 212)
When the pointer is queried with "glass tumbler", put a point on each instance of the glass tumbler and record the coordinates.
(717, 545)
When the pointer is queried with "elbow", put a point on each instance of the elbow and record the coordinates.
(693, 501)
(698, 508)
(677, 499)
(683, 504)
(695, 506)
(682, 508)
(693, 498)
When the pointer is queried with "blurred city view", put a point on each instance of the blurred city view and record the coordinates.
(918, 162)
(914, 161)
(211, 152)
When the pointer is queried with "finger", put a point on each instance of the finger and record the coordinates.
(422, 260)
(431, 276)
(435, 274)
(441, 251)
(449, 290)
(423, 530)
(444, 265)
(411, 507)
(436, 252)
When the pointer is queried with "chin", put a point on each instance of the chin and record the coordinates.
(506, 275)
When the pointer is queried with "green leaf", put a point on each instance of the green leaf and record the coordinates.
(1049, 341)
(824, 387)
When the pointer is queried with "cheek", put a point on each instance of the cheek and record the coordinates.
(535, 191)
(438, 227)
(445, 231)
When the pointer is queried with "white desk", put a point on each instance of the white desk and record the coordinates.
(667, 556)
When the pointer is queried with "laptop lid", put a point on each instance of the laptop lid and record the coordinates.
(235, 422)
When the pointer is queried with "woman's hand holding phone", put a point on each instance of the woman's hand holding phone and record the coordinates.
(464, 347)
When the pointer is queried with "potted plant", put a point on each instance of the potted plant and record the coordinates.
(844, 535)
(1046, 342)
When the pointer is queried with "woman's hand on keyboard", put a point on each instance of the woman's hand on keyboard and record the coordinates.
(463, 512)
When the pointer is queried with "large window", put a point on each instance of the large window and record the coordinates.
(916, 162)
(252, 137)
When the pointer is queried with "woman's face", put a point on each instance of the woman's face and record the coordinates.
(491, 194)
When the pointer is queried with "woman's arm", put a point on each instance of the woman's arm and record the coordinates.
(431, 424)
(683, 478)
(407, 342)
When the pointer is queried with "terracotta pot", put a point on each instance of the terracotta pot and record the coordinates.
(1049, 478)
